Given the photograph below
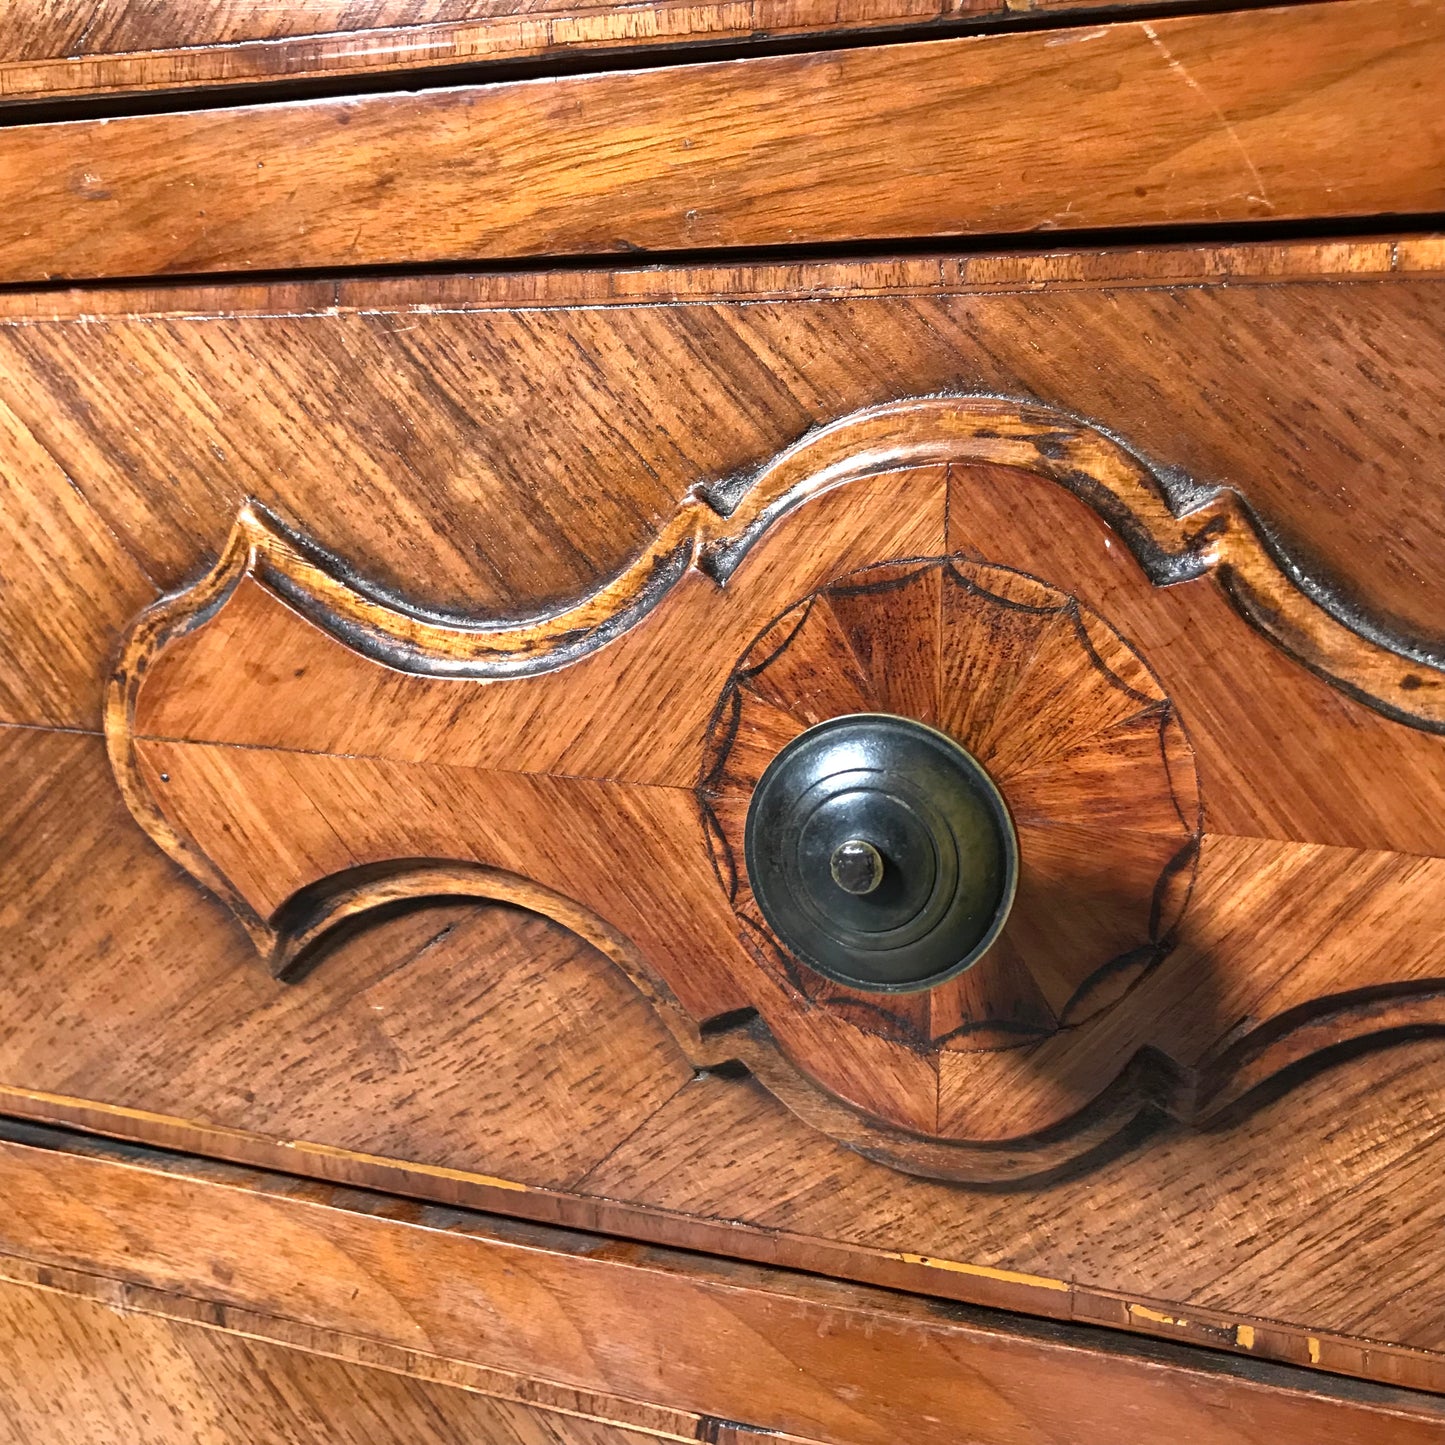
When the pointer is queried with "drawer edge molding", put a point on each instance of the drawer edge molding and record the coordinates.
(162, 53)
(1249, 116)
(534, 1313)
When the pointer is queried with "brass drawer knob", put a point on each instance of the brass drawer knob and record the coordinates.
(881, 853)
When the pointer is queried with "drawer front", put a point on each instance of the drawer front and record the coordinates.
(192, 1301)
(63, 50)
(392, 672)
(1271, 115)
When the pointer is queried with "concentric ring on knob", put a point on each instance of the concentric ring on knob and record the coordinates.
(872, 785)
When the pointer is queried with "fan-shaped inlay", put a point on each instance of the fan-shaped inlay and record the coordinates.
(1070, 724)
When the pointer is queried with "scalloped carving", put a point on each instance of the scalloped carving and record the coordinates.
(1071, 725)
(311, 749)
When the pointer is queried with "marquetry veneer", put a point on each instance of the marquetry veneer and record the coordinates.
(389, 662)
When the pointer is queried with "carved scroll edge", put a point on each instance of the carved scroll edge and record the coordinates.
(158, 626)
(712, 532)
(305, 921)
(716, 525)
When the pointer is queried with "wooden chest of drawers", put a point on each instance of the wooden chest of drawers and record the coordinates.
(835, 830)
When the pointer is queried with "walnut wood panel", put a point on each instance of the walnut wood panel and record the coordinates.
(1257, 114)
(258, 718)
(166, 411)
(86, 1372)
(50, 50)
(463, 456)
(1244, 1236)
(560, 1099)
(743, 1351)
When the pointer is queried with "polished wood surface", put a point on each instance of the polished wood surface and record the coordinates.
(312, 391)
(443, 438)
(468, 1098)
(1253, 115)
(388, 658)
(85, 1371)
(235, 1284)
(1080, 739)
(1421, 255)
(256, 719)
(50, 50)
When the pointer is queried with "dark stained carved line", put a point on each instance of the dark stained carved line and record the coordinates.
(1427, 679)
(845, 588)
(719, 744)
(804, 612)
(1010, 604)
(1289, 1043)
(1220, 534)
(1143, 957)
(1168, 714)
(719, 850)
(1087, 643)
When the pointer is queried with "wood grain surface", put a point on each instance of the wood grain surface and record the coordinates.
(92, 1372)
(257, 718)
(1261, 114)
(1420, 255)
(446, 437)
(1070, 725)
(1245, 1237)
(282, 1275)
(50, 50)
(138, 422)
